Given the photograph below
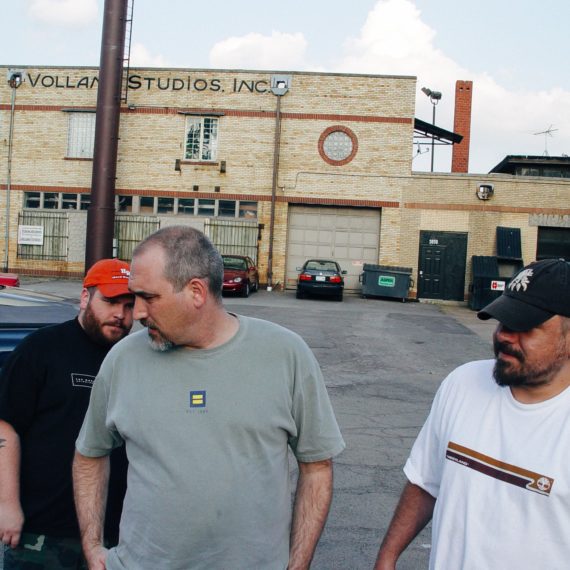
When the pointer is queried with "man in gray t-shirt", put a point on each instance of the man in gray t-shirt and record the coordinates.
(209, 405)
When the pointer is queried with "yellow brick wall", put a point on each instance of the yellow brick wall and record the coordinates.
(379, 111)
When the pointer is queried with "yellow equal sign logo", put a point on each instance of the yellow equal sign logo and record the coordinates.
(198, 399)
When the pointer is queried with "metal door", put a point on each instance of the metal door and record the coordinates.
(431, 274)
(442, 263)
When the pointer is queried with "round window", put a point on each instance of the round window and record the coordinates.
(337, 145)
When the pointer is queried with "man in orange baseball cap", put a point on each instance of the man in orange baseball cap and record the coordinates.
(44, 393)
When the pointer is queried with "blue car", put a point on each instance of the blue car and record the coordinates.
(22, 312)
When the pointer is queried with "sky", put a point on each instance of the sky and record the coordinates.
(516, 53)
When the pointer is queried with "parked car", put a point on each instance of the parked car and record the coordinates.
(320, 277)
(9, 280)
(22, 312)
(240, 275)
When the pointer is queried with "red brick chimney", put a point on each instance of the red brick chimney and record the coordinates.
(462, 125)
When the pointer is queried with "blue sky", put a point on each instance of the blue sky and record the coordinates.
(515, 53)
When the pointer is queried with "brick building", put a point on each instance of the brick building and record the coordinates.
(199, 147)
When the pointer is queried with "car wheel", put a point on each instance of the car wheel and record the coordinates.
(299, 294)
(245, 292)
(255, 287)
(339, 297)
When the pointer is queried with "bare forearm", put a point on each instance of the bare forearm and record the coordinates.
(90, 479)
(312, 503)
(11, 515)
(413, 512)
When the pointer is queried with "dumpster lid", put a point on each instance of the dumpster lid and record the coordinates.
(388, 268)
(485, 266)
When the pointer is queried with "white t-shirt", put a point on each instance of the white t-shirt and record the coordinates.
(500, 471)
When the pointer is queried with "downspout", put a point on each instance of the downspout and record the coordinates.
(279, 86)
(101, 212)
(276, 148)
(15, 79)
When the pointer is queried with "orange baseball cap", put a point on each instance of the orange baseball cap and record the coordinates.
(110, 276)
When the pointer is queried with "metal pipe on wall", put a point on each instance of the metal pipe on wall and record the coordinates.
(101, 212)
(15, 80)
(277, 143)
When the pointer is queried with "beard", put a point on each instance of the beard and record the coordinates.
(159, 341)
(507, 373)
(94, 328)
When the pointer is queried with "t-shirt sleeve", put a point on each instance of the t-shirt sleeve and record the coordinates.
(318, 435)
(97, 438)
(21, 380)
(424, 466)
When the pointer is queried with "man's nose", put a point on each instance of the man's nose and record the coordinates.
(504, 333)
(139, 311)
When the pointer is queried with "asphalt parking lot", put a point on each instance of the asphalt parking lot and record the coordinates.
(382, 361)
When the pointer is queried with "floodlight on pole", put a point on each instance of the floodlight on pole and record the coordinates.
(434, 97)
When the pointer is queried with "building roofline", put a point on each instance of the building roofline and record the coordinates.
(209, 70)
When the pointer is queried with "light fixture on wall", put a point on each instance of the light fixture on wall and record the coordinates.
(435, 98)
(485, 191)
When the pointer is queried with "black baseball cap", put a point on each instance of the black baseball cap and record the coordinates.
(535, 294)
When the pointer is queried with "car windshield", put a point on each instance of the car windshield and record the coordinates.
(234, 263)
(321, 266)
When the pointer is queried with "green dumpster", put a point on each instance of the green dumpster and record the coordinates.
(386, 281)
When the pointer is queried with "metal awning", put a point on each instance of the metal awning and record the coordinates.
(423, 130)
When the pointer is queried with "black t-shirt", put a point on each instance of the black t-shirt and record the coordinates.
(44, 393)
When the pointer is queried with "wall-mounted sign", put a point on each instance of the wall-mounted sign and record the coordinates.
(30, 235)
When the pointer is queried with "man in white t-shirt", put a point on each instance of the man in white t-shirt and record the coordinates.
(491, 463)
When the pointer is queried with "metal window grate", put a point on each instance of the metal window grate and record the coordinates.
(130, 230)
(233, 237)
(201, 138)
(81, 135)
(56, 230)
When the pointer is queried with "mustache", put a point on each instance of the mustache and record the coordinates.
(116, 323)
(506, 348)
(149, 324)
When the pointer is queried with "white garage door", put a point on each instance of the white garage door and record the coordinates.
(350, 236)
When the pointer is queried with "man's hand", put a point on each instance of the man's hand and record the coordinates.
(11, 515)
(413, 512)
(96, 557)
(11, 522)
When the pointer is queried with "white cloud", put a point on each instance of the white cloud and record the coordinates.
(395, 40)
(64, 12)
(141, 57)
(256, 51)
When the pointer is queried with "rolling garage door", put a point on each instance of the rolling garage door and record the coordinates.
(350, 236)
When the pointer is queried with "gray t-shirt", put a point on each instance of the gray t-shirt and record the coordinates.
(207, 434)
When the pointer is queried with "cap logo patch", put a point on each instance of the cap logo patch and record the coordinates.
(521, 281)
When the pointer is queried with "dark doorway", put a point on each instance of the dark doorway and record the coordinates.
(442, 264)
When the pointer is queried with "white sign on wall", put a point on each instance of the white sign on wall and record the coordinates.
(30, 235)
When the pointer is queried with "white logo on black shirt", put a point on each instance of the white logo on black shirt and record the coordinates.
(82, 380)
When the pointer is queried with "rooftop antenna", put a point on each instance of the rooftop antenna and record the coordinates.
(547, 133)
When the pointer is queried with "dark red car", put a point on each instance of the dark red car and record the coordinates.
(9, 280)
(240, 275)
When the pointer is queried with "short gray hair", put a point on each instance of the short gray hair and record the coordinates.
(189, 255)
